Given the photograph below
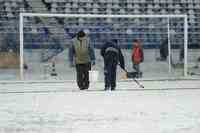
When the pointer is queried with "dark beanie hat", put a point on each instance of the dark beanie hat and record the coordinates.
(81, 34)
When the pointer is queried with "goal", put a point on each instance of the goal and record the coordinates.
(45, 39)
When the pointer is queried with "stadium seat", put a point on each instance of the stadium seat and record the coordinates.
(191, 11)
(81, 10)
(197, 6)
(53, 10)
(67, 10)
(150, 6)
(136, 11)
(122, 11)
(190, 6)
(95, 10)
(95, 5)
(136, 6)
(149, 11)
(157, 6)
(177, 11)
(67, 5)
(163, 11)
(109, 11)
(74, 5)
(130, 5)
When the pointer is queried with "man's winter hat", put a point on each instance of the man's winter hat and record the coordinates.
(81, 34)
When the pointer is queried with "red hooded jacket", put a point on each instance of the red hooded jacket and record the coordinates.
(137, 53)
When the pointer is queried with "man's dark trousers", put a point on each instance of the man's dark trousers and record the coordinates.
(110, 74)
(82, 71)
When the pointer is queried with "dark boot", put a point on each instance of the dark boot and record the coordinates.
(106, 88)
(83, 88)
(112, 88)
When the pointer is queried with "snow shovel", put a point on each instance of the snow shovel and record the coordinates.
(132, 75)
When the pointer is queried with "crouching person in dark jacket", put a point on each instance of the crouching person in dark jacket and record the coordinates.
(112, 55)
(81, 54)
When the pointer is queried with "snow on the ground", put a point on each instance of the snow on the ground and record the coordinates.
(125, 111)
(163, 106)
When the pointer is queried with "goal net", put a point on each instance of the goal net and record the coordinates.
(45, 40)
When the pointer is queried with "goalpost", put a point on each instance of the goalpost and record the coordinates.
(109, 16)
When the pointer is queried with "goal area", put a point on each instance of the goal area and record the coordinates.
(45, 40)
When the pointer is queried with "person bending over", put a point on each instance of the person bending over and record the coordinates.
(112, 55)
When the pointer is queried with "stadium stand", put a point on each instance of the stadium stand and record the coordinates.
(10, 9)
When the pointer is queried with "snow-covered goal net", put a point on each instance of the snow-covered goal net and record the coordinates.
(45, 41)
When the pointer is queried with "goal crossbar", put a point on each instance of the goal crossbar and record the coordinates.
(184, 16)
(101, 15)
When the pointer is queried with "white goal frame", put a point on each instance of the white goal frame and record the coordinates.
(185, 17)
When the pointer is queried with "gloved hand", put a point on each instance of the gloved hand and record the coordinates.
(93, 62)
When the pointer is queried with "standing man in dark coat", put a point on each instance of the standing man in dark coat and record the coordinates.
(164, 50)
(111, 54)
(81, 54)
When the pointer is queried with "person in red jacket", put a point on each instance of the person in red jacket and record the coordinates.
(137, 57)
